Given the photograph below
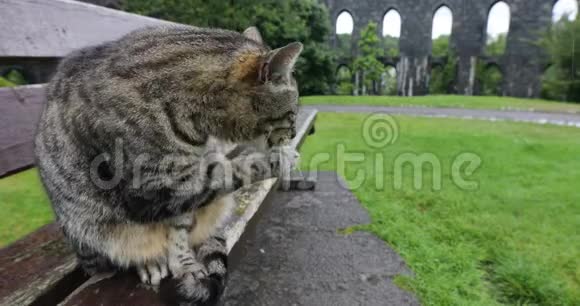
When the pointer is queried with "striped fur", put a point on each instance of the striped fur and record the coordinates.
(132, 136)
(199, 289)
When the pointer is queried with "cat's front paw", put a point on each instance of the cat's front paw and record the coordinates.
(283, 159)
(190, 290)
(213, 253)
(186, 263)
(152, 273)
(198, 286)
(251, 168)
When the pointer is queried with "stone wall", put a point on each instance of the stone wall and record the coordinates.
(522, 64)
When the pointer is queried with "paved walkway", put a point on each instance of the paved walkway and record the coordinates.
(482, 114)
(294, 255)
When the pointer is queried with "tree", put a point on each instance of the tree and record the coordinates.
(443, 77)
(6, 83)
(367, 63)
(489, 79)
(552, 88)
(344, 79)
(441, 46)
(562, 44)
(496, 45)
(344, 45)
(391, 45)
(390, 86)
(12, 78)
(280, 21)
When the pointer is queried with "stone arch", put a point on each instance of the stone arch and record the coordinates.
(441, 30)
(344, 31)
(563, 8)
(392, 23)
(496, 33)
(521, 63)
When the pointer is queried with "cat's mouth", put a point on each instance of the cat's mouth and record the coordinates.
(281, 136)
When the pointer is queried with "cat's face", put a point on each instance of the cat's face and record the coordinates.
(275, 91)
(280, 101)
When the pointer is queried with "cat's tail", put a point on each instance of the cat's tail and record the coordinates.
(189, 290)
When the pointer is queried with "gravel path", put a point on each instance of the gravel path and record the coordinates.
(481, 114)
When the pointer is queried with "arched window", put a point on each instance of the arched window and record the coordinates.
(344, 23)
(565, 9)
(344, 29)
(344, 78)
(498, 26)
(391, 32)
(442, 27)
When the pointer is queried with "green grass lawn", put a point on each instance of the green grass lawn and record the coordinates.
(515, 240)
(448, 101)
(24, 205)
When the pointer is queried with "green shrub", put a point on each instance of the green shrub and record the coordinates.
(5, 83)
(12, 78)
(562, 80)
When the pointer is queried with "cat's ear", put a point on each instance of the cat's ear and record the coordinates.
(280, 62)
(254, 34)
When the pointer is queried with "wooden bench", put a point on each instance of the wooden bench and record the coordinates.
(40, 269)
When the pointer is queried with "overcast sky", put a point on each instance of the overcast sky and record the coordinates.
(497, 23)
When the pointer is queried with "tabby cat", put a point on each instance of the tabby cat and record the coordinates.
(143, 139)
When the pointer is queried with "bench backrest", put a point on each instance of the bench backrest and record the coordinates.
(48, 29)
(34, 35)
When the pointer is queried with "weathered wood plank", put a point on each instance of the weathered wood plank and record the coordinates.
(37, 268)
(41, 28)
(125, 289)
(20, 109)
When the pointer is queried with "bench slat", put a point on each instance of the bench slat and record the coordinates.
(34, 267)
(55, 28)
(20, 109)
